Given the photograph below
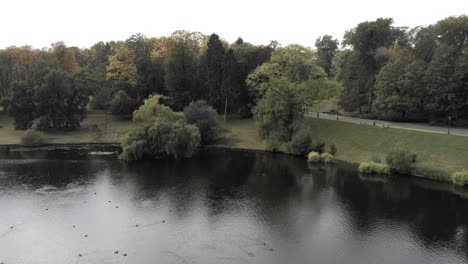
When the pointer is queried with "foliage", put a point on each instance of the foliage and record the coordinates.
(279, 110)
(121, 104)
(159, 133)
(301, 142)
(181, 67)
(153, 109)
(326, 50)
(374, 168)
(333, 149)
(313, 157)
(21, 106)
(326, 157)
(273, 143)
(121, 65)
(206, 119)
(61, 100)
(460, 178)
(400, 161)
(319, 147)
(32, 138)
(162, 138)
(361, 64)
(212, 70)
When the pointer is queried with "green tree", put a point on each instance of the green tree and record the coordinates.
(365, 40)
(61, 100)
(212, 71)
(22, 107)
(326, 50)
(206, 119)
(181, 67)
(393, 95)
(6, 72)
(159, 133)
(122, 104)
(279, 111)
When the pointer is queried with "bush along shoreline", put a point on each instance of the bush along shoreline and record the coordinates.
(402, 162)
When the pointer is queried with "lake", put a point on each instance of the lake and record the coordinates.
(83, 205)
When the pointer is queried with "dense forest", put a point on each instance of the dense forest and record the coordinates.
(378, 70)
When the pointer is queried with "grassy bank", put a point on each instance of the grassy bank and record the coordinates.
(439, 155)
(358, 143)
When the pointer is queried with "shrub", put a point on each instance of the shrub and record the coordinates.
(313, 157)
(121, 104)
(400, 162)
(433, 173)
(318, 147)
(32, 138)
(206, 119)
(301, 142)
(373, 168)
(326, 157)
(460, 178)
(333, 149)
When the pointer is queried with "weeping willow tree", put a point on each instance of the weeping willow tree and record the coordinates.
(159, 133)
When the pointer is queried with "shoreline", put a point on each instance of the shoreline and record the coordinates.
(70, 146)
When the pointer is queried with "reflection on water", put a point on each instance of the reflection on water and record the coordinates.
(62, 206)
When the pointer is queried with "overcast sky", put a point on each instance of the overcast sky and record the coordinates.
(84, 22)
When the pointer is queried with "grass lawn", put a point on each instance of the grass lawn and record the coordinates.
(439, 155)
(357, 143)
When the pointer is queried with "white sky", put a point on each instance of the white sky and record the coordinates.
(84, 22)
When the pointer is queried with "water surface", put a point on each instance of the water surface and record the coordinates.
(224, 206)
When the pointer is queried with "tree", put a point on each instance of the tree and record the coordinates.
(159, 133)
(284, 87)
(65, 55)
(279, 110)
(206, 119)
(61, 100)
(148, 76)
(182, 67)
(23, 58)
(231, 82)
(297, 65)
(365, 40)
(122, 104)
(326, 50)
(121, 65)
(248, 58)
(392, 95)
(6, 72)
(212, 64)
(22, 107)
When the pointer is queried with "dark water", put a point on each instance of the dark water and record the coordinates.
(221, 207)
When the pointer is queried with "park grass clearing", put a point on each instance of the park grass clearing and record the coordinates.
(95, 128)
(242, 134)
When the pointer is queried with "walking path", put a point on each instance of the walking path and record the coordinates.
(409, 126)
